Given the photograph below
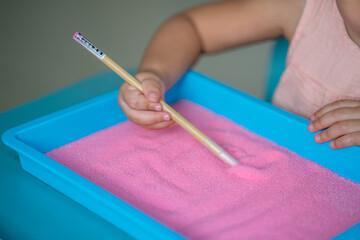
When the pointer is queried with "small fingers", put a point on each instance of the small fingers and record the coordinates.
(337, 130)
(147, 117)
(136, 100)
(151, 89)
(347, 140)
(334, 116)
(160, 125)
(145, 110)
(333, 106)
(152, 85)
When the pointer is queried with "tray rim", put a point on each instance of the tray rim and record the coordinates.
(27, 153)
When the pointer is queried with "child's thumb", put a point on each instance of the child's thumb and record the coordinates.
(151, 89)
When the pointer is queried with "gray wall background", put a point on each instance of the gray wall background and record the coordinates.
(39, 55)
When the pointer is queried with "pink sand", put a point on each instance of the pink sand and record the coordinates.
(167, 174)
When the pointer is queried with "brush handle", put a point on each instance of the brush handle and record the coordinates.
(174, 114)
(200, 136)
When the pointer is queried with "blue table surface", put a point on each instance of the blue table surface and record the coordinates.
(30, 209)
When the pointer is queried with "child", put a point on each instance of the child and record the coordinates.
(322, 78)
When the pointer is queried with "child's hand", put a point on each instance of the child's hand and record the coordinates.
(145, 110)
(342, 120)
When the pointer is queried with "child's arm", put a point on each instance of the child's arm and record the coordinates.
(204, 29)
(342, 120)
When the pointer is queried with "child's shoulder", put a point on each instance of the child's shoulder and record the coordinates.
(226, 24)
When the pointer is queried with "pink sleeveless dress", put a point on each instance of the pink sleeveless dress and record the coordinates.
(323, 63)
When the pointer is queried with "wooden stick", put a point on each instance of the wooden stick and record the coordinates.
(200, 136)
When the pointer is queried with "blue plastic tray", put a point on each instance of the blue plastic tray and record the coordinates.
(31, 140)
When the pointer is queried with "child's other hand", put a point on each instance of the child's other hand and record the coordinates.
(342, 120)
(145, 110)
